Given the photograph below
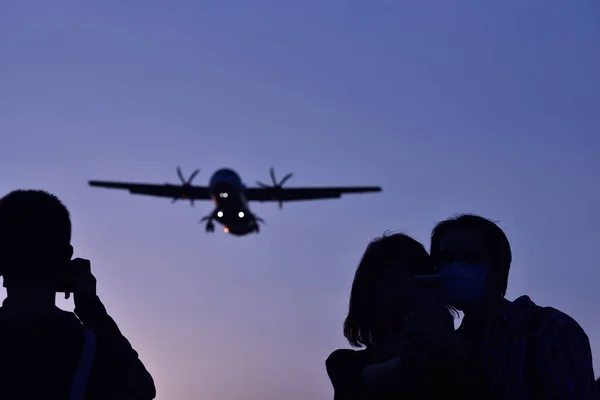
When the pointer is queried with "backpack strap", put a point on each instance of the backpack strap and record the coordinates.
(84, 368)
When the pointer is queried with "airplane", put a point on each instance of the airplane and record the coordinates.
(231, 196)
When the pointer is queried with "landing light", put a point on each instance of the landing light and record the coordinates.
(226, 230)
(220, 214)
(241, 214)
(223, 195)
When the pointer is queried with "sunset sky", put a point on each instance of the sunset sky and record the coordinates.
(451, 106)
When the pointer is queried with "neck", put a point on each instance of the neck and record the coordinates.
(30, 301)
(488, 312)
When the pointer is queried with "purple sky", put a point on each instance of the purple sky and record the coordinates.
(462, 106)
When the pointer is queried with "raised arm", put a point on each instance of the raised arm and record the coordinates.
(118, 362)
(117, 370)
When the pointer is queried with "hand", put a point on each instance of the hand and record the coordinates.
(424, 334)
(82, 280)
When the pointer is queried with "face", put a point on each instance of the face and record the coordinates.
(29, 265)
(466, 266)
(462, 246)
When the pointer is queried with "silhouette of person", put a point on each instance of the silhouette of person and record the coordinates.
(521, 349)
(45, 352)
(409, 339)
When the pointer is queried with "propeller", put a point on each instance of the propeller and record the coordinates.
(276, 185)
(186, 185)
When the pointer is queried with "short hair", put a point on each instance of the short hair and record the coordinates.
(494, 239)
(381, 254)
(34, 225)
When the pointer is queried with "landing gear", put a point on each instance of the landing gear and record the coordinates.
(210, 226)
(257, 222)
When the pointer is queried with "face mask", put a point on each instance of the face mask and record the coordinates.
(463, 283)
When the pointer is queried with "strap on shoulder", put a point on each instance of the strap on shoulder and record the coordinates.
(84, 368)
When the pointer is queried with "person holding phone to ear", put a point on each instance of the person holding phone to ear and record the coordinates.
(411, 350)
(45, 352)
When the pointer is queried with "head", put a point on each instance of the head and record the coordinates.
(35, 238)
(380, 294)
(474, 254)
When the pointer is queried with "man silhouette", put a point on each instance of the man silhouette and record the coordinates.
(45, 352)
(522, 350)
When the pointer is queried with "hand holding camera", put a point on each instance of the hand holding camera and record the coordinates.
(77, 278)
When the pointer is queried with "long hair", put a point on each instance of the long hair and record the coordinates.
(386, 252)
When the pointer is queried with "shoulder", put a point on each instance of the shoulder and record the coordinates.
(344, 368)
(69, 318)
(551, 318)
(343, 356)
(345, 360)
(553, 323)
(542, 318)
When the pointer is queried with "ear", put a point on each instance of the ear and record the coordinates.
(491, 281)
(69, 253)
(495, 283)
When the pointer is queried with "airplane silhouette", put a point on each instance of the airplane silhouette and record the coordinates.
(231, 196)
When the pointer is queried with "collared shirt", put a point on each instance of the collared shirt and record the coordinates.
(533, 352)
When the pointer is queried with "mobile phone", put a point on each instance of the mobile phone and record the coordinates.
(429, 281)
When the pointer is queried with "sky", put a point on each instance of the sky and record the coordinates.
(463, 106)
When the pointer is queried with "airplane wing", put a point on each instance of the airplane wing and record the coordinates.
(150, 189)
(262, 194)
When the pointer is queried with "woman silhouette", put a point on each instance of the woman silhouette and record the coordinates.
(411, 350)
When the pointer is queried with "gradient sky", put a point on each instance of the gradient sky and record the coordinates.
(451, 106)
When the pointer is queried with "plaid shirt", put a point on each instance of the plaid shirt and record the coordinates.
(559, 350)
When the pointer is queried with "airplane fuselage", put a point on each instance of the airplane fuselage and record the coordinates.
(231, 197)
(231, 207)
